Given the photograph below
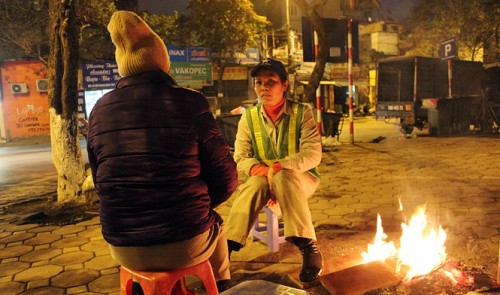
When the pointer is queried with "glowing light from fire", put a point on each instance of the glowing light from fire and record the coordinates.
(421, 247)
(380, 249)
(458, 277)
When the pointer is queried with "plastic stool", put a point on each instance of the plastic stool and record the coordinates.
(168, 282)
(269, 233)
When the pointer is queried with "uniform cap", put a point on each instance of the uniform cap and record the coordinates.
(270, 64)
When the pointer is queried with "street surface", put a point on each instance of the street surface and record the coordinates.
(27, 171)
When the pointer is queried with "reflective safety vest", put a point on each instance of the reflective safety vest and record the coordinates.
(288, 135)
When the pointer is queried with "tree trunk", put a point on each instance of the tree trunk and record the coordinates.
(63, 100)
(319, 67)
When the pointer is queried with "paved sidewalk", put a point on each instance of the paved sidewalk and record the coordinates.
(458, 178)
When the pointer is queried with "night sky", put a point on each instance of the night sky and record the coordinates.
(399, 8)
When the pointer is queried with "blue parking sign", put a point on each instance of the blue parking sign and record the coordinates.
(448, 49)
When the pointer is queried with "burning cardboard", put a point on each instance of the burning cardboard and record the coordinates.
(360, 279)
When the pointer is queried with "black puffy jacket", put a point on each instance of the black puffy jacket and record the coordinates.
(159, 162)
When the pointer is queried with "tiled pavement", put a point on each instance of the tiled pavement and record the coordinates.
(71, 259)
(457, 177)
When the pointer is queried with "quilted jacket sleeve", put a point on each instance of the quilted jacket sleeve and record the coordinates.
(217, 165)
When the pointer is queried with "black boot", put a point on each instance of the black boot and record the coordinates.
(233, 246)
(137, 289)
(224, 285)
(312, 260)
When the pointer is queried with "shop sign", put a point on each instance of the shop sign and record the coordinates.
(191, 74)
(189, 54)
(99, 75)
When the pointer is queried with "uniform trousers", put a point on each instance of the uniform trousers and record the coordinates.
(292, 190)
(211, 245)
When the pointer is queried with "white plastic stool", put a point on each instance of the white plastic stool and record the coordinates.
(269, 233)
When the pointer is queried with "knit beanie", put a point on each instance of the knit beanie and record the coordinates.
(138, 48)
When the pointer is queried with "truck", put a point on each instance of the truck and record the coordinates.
(411, 90)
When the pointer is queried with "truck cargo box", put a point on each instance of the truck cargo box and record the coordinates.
(404, 82)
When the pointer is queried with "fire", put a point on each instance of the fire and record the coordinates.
(380, 249)
(421, 248)
(458, 277)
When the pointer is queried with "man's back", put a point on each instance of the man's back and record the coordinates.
(147, 139)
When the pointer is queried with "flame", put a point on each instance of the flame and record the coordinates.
(421, 248)
(380, 249)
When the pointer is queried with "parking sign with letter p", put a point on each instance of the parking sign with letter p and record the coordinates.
(448, 49)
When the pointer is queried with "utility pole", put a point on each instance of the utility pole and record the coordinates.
(352, 6)
(288, 37)
(349, 63)
(319, 121)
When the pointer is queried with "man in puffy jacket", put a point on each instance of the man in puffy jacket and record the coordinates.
(159, 162)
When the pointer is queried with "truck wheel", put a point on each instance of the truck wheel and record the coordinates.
(406, 129)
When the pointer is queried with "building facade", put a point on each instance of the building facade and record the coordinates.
(24, 106)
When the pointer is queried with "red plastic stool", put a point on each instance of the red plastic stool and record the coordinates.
(168, 282)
